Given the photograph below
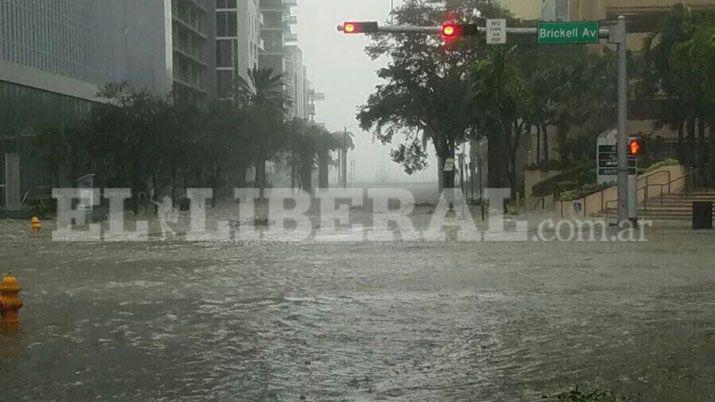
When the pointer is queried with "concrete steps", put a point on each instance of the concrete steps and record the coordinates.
(670, 206)
(674, 206)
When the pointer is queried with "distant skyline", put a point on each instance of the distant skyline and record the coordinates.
(338, 66)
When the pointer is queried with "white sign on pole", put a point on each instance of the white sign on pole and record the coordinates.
(496, 32)
(449, 165)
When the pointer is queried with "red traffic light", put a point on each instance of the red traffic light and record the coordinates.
(357, 27)
(635, 147)
(449, 30)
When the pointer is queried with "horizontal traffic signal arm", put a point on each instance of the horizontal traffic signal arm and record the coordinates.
(357, 27)
(371, 27)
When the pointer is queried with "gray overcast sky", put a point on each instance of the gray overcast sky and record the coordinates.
(338, 66)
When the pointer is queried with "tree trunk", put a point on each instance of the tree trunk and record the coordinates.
(538, 145)
(497, 161)
(562, 132)
(307, 177)
(690, 160)
(681, 143)
(293, 171)
(711, 127)
(448, 176)
(702, 147)
(323, 181)
(260, 177)
(514, 157)
(545, 134)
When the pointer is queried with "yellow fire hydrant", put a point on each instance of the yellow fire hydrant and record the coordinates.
(36, 224)
(10, 302)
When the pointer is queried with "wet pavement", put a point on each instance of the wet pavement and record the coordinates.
(360, 321)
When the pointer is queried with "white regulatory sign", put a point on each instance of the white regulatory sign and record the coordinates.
(449, 165)
(496, 32)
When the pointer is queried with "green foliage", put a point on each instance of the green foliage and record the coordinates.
(41, 206)
(552, 164)
(569, 180)
(164, 144)
(426, 96)
(447, 92)
(662, 164)
(680, 63)
(582, 191)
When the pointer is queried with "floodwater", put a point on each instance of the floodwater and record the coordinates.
(360, 321)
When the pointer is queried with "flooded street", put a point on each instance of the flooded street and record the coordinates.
(360, 321)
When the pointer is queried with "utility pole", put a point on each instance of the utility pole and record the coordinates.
(618, 36)
(344, 159)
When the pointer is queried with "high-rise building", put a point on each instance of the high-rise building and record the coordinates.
(282, 56)
(193, 28)
(56, 55)
(238, 40)
(523, 9)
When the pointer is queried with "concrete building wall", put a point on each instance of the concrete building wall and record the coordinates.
(282, 56)
(85, 42)
(250, 44)
(295, 82)
(194, 29)
(523, 9)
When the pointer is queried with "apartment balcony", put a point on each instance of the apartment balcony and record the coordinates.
(290, 37)
(316, 96)
(189, 86)
(185, 25)
(193, 58)
(273, 6)
(290, 19)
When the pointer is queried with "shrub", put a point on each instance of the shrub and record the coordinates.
(662, 164)
(41, 206)
(582, 192)
(567, 180)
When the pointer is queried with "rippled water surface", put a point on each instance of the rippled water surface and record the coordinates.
(360, 321)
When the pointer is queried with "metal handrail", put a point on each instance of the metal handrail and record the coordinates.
(648, 185)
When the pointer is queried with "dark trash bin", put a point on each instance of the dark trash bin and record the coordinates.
(702, 215)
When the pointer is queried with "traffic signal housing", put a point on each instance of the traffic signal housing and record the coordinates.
(358, 27)
(636, 147)
(451, 30)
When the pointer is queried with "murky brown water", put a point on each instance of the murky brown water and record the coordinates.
(413, 321)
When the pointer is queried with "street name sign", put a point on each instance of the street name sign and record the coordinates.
(496, 31)
(560, 33)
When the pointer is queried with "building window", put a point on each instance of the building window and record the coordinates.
(226, 53)
(224, 82)
(226, 24)
(226, 4)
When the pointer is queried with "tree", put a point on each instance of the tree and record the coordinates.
(266, 105)
(426, 96)
(679, 57)
(695, 58)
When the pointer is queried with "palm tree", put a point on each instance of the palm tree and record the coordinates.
(263, 87)
(266, 102)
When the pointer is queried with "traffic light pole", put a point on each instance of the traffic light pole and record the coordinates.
(616, 34)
